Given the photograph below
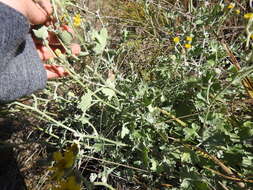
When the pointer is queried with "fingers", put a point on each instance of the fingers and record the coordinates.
(52, 37)
(46, 5)
(44, 53)
(68, 29)
(54, 71)
(75, 49)
(39, 12)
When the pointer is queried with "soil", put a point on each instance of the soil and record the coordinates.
(20, 150)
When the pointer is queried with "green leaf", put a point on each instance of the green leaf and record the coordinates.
(125, 131)
(186, 157)
(66, 37)
(198, 22)
(83, 119)
(101, 40)
(108, 92)
(98, 147)
(246, 131)
(41, 33)
(93, 177)
(211, 63)
(247, 161)
(85, 102)
(248, 124)
(201, 97)
(105, 174)
(144, 155)
(191, 132)
(102, 37)
(154, 165)
(201, 185)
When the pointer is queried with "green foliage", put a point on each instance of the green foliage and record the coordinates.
(101, 39)
(66, 37)
(41, 33)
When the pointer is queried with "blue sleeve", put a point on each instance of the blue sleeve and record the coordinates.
(21, 70)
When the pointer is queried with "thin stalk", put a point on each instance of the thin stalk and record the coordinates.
(103, 184)
(117, 164)
(46, 116)
(68, 128)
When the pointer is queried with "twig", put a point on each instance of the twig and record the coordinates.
(173, 117)
(246, 81)
(103, 184)
(230, 177)
(117, 164)
(223, 186)
(206, 155)
(226, 169)
(68, 128)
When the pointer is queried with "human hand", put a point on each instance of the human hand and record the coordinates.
(54, 44)
(36, 11)
(54, 71)
(45, 53)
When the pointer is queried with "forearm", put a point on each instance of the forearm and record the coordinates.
(23, 75)
(13, 29)
(21, 70)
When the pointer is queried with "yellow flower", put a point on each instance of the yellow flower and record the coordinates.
(69, 184)
(58, 52)
(187, 46)
(176, 40)
(63, 161)
(251, 36)
(237, 11)
(189, 38)
(231, 6)
(77, 20)
(248, 16)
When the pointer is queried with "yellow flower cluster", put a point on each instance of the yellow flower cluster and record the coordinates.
(187, 46)
(63, 166)
(63, 161)
(176, 40)
(77, 20)
(248, 16)
(69, 184)
(237, 11)
(231, 6)
(188, 39)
